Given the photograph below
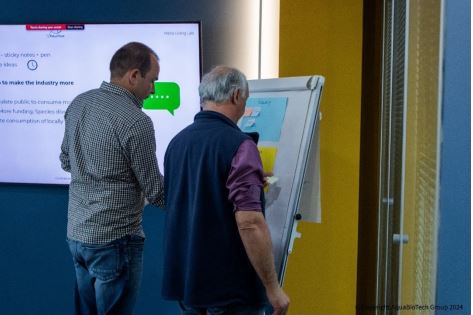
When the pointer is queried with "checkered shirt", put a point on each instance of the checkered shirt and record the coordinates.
(109, 148)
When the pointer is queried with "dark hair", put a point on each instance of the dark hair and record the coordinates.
(133, 55)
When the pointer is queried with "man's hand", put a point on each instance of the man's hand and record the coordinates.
(279, 300)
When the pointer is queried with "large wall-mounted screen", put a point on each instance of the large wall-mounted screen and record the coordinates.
(44, 66)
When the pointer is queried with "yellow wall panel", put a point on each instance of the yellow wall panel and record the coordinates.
(325, 37)
(420, 201)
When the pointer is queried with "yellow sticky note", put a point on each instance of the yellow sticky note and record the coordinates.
(268, 157)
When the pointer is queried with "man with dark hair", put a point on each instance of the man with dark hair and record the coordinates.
(109, 149)
(218, 254)
(131, 56)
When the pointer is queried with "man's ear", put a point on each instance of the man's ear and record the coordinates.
(236, 96)
(133, 76)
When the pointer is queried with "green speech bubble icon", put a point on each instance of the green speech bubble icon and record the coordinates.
(166, 96)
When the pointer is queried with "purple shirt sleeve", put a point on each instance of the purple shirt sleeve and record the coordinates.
(245, 180)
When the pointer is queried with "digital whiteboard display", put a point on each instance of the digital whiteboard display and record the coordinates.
(44, 66)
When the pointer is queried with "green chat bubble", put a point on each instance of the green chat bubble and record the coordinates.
(166, 96)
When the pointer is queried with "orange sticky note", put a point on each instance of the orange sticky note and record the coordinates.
(248, 111)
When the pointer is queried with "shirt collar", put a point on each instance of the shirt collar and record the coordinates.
(210, 114)
(114, 88)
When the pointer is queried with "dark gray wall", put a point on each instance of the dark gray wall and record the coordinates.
(36, 272)
(225, 24)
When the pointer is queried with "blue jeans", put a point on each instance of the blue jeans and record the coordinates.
(108, 276)
(230, 310)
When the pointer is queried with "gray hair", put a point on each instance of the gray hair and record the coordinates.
(220, 83)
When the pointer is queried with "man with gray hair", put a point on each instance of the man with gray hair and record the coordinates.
(218, 257)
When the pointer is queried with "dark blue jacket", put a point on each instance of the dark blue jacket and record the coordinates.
(205, 263)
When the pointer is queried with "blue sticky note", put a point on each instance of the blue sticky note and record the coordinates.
(267, 117)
